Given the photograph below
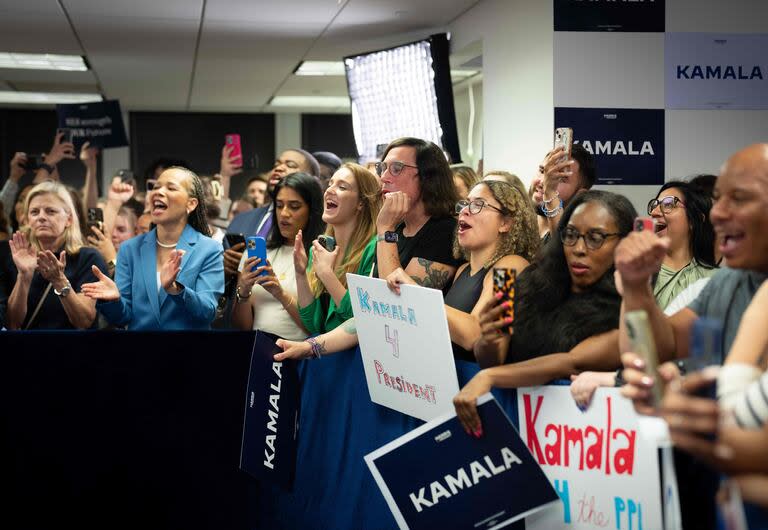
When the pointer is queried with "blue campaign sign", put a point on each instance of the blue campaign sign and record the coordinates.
(437, 476)
(609, 15)
(99, 123)
(268, 450)
(715, 71)
(628, 144)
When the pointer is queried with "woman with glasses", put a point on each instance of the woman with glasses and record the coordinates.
(415, 226)
(566, 308)
(172, 276)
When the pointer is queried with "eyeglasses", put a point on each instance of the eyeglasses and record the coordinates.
(395, 168)
(668, 204)
(594, 239)
(476, 206)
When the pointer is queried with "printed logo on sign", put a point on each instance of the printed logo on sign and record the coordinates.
(384, 310)
(617, 147)
(708, 71)
(272, 414)
(426, 392)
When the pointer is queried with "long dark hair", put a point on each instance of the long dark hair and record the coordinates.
(438, 192)
(309, 190)
(698, 203)
(547, 282)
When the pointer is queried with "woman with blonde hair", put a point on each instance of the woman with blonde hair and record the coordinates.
(464, 177)
(49, 265)
(351, 204)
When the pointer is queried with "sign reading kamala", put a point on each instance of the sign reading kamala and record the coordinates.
(605, 471)
(715, 71)
(405, 346)
(437, 476)
(268, 449)
(609, 15)
(99, 123)
(628, 144)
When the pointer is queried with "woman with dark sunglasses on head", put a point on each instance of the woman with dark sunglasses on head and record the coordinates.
(566, 309)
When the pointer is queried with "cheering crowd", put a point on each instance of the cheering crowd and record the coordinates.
(173, 257)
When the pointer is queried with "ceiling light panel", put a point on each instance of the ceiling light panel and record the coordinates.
(46, 98)
(42, 61)
(310, 101)
(321, 68)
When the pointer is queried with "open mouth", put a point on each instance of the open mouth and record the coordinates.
(464, 226)
(729, 243)
(331, 205)
(158, 206)
(660, 225)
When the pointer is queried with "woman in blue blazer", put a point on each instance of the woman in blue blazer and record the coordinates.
(172, 276)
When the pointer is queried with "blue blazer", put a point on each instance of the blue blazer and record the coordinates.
(142, 306)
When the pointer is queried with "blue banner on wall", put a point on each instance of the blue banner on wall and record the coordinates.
(716, 71)
(268, 450)
(99, 123)
(609, 15)
(628, 144)
(437, 476)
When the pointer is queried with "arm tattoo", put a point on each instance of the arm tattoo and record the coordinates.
(321, 346)
(435, 278)
(350, 327)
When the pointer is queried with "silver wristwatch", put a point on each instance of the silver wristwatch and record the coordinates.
(64, 290)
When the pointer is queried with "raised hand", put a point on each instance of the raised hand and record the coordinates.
(104, 289)
(230, 165)
(324, 262)
(103, 244)
(300, 259)
(638, 257)
(293, 350)
(170, 270)
(24, 256)
(396, 205)
(397, 278)
(59, 150)
(556, 168)
(119, 192)
(18, 163)
(52, 268)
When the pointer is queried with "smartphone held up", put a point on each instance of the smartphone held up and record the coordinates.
(504, 283)
(564, 139)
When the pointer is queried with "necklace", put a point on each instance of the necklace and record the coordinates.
(165, 245)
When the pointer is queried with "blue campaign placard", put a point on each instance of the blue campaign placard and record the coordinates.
(609, 15)
(100, 123)
(628, 144)
(437, 476)
(270, 427)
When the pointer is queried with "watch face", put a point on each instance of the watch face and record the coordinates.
(390, 237)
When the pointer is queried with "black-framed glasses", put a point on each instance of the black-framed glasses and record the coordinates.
(476, 206)
(593, 239)
(395, 168)
(667, 204)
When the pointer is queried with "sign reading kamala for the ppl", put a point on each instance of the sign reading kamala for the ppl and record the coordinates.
(716, 71)
(405, 347)
(99, 123)
(602, 466)
(628, 144)
(437, 476)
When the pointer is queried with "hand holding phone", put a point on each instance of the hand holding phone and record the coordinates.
(328, 242)
(642, 343)
(564, 139)
(645, 224)
(236, 153)
(95, 219)
(257, 247)
(504, 291)
(234, 239)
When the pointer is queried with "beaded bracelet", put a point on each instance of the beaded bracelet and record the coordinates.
(317, 349)
(557, 196)
(553, 212)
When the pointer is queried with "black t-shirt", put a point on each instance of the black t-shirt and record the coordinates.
(51, 314)
(463, 295)
(433, 242)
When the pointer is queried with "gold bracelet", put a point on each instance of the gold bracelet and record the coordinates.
(240, 298)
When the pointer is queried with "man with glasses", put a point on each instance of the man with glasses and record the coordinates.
(415, 226)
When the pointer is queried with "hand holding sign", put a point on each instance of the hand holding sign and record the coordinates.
(397, 278)
(466, 403)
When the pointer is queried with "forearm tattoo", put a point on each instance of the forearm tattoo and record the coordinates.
(350, 327)
(435, 278)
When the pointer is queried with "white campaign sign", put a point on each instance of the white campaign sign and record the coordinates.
(599, 461)
(406, 347)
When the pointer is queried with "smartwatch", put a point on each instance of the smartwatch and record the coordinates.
(388, 237)
(49, 168)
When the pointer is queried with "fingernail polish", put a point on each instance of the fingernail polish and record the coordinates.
(507, 304)
(479, 432)
(647, 381)
(508, 320)
(638, 363)
(499, 295)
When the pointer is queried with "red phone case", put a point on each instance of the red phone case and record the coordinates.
(234, 141)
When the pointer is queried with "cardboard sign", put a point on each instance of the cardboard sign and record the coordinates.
(715, 71)
(268, 449)
(600, 463)
(99, 123)
(437, 476)
(406, 347)
(628, 144)
(609, 15)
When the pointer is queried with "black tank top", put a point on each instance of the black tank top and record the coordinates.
(464, 294)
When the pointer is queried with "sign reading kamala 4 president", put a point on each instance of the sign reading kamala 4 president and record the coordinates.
(405, 346)
(605, 471)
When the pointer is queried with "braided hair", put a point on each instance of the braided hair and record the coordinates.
(197, 218)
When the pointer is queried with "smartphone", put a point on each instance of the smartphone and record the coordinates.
(233, 140)
(504, 282)
(705, 349)
(95, 218)
(66, 137)
(257, 247)
(126, 176)
(642, 343)
(645, 224)
(328, 242)
(234, 239)
(33, 162)
(564, 139)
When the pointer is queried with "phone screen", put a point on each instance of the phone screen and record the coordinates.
(234, 239)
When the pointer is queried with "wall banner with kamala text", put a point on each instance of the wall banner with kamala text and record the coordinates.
(603, 462)
(405, 347)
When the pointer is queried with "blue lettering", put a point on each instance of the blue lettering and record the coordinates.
(363, 298)
(566, 498)
(729, 73)
(697, 73)
(411, 316)
(682, 71)
(756, 73)
(713, 72)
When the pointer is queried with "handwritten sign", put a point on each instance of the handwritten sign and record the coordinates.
(600, 463)
(437, 476)
(406, 347)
